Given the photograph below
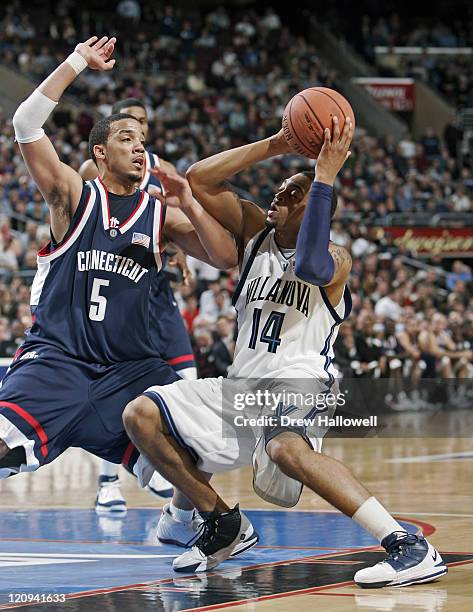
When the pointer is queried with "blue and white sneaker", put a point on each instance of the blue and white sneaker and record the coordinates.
(109, 498)
(179, 533)
(159, 486)
(411, 560)
(184, 533)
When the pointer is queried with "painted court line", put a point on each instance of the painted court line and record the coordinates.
(320, 590)
(164, 581)
(168, 581)
(427, 458)
(308, 591)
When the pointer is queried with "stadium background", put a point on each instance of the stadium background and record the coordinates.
(211, 78)
(214, 77)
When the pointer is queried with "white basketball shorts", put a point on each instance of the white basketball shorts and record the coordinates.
(211, 426)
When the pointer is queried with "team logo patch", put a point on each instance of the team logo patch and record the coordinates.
(140, 239)
(28, 355)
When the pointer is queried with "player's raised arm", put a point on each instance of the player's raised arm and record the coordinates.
(60, 185)
(317, 261)
(208, 179)
(191, 227)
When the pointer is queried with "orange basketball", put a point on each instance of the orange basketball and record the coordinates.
(308, 113)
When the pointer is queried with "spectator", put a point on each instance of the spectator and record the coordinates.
(460, 200)
(460, 272)
(431, 144)
(204, 358)
(129, 9)
(223, 346)
(388, 306)
(215, 301)
(8, 346)
(190, 312)
(439, 350)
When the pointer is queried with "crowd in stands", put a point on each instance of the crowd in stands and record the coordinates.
(231, 79)
(227, 88)
(450, 73)
(209, 83)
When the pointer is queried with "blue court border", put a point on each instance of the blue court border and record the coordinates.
(41, 549)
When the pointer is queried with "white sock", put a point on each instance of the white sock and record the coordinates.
(184, 516)
(108, 469)
(374, 517)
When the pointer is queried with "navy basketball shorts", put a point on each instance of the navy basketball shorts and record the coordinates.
(50, 401)
(168, 332)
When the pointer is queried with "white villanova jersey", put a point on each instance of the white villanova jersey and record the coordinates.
(286, 327)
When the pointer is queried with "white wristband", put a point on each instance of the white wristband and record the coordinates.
(77, 62)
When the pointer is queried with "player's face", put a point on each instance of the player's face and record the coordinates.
(124, 151)
(140, 115)
(289, 200)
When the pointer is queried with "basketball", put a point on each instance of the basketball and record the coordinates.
(308, 113)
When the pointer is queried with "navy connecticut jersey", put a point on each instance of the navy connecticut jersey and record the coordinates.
(90, 295)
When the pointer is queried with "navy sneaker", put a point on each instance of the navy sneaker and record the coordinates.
(411, 559)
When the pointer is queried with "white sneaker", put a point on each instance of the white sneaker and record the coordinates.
(159, 486)
(251, 539)
(411, 559)
(109, 498)
(180, 533)
(219, 537)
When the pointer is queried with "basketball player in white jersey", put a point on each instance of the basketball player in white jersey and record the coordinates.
(290, 300)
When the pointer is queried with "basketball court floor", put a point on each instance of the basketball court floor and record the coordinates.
(53, 544)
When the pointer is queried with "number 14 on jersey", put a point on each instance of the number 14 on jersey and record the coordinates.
(270, 331)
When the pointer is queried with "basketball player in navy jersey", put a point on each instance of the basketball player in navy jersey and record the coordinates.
(168, 332)
(89, 350)
(290, 299)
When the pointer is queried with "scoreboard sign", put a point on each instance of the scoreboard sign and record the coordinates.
(394, 94)
(429, 241)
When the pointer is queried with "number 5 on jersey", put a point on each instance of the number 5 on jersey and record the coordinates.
(270, 332)
(98, 302)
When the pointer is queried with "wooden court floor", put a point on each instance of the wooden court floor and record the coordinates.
(428, 481)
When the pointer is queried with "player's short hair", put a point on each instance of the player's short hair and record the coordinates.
(100, 132)
(126, 103)
(333, 209)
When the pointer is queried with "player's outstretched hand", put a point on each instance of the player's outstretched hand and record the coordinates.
(176, 189)
(334, 152)
(97, 52)
(179, 260)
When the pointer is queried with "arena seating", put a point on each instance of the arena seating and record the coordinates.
(221, 80)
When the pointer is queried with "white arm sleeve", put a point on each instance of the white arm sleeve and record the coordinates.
(31, 115)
